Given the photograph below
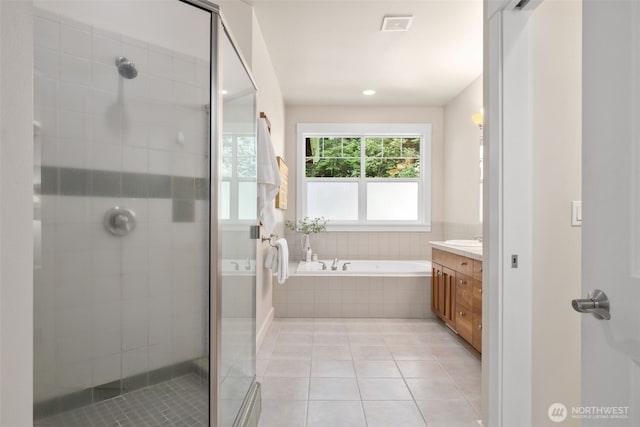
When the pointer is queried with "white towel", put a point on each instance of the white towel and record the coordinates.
(268, 178)
(282, 260)
(271, 260)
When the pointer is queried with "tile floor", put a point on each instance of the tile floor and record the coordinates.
(367, 372)
(181, 401)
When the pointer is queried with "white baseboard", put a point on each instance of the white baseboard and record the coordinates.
(264, 328)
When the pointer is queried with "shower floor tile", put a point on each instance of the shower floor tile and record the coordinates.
(181, 401)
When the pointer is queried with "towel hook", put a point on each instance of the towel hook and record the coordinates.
(268, 239)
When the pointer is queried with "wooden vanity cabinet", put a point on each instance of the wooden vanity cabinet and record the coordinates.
(456, 294)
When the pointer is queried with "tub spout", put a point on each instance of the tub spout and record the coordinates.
(334, 265)
(344, 266)
(324, 265)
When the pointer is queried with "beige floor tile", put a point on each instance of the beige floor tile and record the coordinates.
(421, 369)
(331, 352)
(376, 369)
(411, 352)
(333, 389)
(330, 339)
(383, 389)
(285, 388)
(335, 413)
(288, 368)
(366, 339)
(370, 352)
(295, 338)
(283, 413)
(332, 369)
(426, 389)
(448, 413)
(392, 414)
(291, 352)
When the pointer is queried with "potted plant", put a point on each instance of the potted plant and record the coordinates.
(307, 226)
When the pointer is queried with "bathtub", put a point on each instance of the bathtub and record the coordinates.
(368, 288)
(365, 268)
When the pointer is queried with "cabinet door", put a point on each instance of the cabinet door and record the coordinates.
(477, 297)
(449, 303)
(436, 278)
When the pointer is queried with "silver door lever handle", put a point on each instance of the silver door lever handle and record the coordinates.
(596, 303)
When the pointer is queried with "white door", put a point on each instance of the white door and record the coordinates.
(611, 206)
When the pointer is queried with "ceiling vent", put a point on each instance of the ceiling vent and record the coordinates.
(396, 23)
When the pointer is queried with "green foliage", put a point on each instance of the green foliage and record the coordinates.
(308, 225)
(384, 157)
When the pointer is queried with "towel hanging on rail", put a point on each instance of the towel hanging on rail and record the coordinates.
(268, 177)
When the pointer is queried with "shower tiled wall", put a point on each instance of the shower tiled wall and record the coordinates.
(110, 307)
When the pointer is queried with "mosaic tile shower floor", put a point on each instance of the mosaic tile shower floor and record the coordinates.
(180, 402)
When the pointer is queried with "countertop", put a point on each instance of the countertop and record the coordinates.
(468, 251)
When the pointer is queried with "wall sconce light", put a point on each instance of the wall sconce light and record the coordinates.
(478, 119)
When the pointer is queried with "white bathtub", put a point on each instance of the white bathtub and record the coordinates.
(365, 268)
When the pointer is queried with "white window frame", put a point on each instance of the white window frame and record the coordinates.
(422, 130)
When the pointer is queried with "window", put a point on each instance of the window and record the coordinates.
(238, 187)
(365, 176)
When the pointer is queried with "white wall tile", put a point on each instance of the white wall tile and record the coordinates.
(72, 125)
(136, 88)
(106, 157)
(75, 376)
(46, 62)
(134, 133)
(160, 89)
(187, 94)
(106, 368)
(46, 33)
(71, 153)
(106, 49)
(106, 78)
(75, 98)
(75, 42)
(135, 361)
(160, 64)
(184, 70)
(75, 70)
(108, 289)
(135, 160)
(135, 285)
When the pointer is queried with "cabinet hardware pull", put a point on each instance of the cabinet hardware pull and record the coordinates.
(480, 290)
(461, 314)
(480, 327)
(463, 263)
(463, 282)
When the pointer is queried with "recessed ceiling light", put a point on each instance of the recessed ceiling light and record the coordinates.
(396, 23)
(369, 92)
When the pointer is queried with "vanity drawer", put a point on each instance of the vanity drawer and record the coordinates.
(464, 322)
(453, 261)
(476, 291)
(476, 342)
(464, 292)
(477, 269)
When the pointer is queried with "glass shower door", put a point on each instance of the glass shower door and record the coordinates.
(121, 204)
(237, 212)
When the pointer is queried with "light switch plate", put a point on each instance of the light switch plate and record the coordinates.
(576, 213)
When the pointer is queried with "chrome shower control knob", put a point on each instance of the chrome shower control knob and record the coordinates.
(119, 221)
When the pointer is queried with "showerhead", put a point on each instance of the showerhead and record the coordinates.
(126, 68)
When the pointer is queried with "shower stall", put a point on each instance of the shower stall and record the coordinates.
(144, 205)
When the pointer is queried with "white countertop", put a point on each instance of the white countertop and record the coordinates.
(468, 251)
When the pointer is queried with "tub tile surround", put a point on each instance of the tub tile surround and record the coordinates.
(393, 374)
(379, 297)
(105, 307)
(367, 245)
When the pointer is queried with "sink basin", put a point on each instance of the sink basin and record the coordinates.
(464, 243)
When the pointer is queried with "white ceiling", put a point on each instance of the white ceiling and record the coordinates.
(327, 52)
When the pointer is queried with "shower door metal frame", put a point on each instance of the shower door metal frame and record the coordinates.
(218, 30)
